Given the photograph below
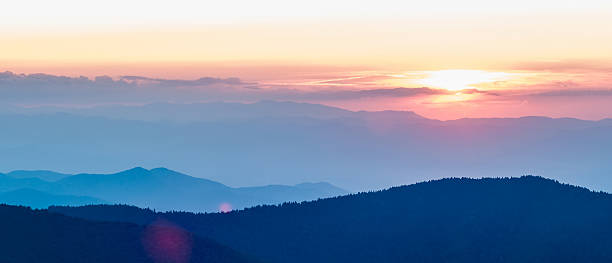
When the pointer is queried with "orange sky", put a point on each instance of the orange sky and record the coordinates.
(513, 47)
(109, 37)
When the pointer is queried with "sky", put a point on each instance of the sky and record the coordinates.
(441, 59)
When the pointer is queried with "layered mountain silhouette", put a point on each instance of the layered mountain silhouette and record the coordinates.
(221, 111)
(40, 200)
(527, 219)
(44, 175)
(288, 143)
(159, 188)
(39, 236)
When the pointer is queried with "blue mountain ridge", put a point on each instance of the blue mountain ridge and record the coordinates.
(158, 188)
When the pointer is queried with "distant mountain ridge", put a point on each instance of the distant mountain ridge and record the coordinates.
(510, 220)
(215, 111)
(273, 142)
(41, 200)
(158, 188)
(41, 174)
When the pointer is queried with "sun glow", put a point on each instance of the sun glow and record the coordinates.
(460, 79)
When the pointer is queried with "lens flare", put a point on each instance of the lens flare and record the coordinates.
(225, 207)
(166, 242)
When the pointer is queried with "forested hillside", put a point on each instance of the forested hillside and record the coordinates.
(527, 219)
(30, 236)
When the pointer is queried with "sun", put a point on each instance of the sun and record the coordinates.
(459, 79)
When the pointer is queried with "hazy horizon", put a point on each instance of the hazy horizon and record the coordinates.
(426, 93)
(441, 59)
(241, 131)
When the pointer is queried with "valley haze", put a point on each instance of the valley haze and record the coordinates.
(275, 131)
(272, 142)
(160, 189)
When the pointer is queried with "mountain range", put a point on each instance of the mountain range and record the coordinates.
(288, 143)
(526, 219)
(159, 188)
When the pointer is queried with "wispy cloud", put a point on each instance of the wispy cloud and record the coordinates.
(49, 89)
(523, 93)
(565, 66)
(576, 93)
(331, 94)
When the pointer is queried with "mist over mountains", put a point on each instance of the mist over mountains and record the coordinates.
(158, 188)
(288, 143)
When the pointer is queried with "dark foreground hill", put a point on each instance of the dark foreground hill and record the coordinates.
(527, 219)
(39, 236)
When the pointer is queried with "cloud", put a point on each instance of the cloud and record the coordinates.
(565, 66)
(331, 94)
(44, 89)
(402, 92)
(573, 93)
(50, 89)
(183, 83)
